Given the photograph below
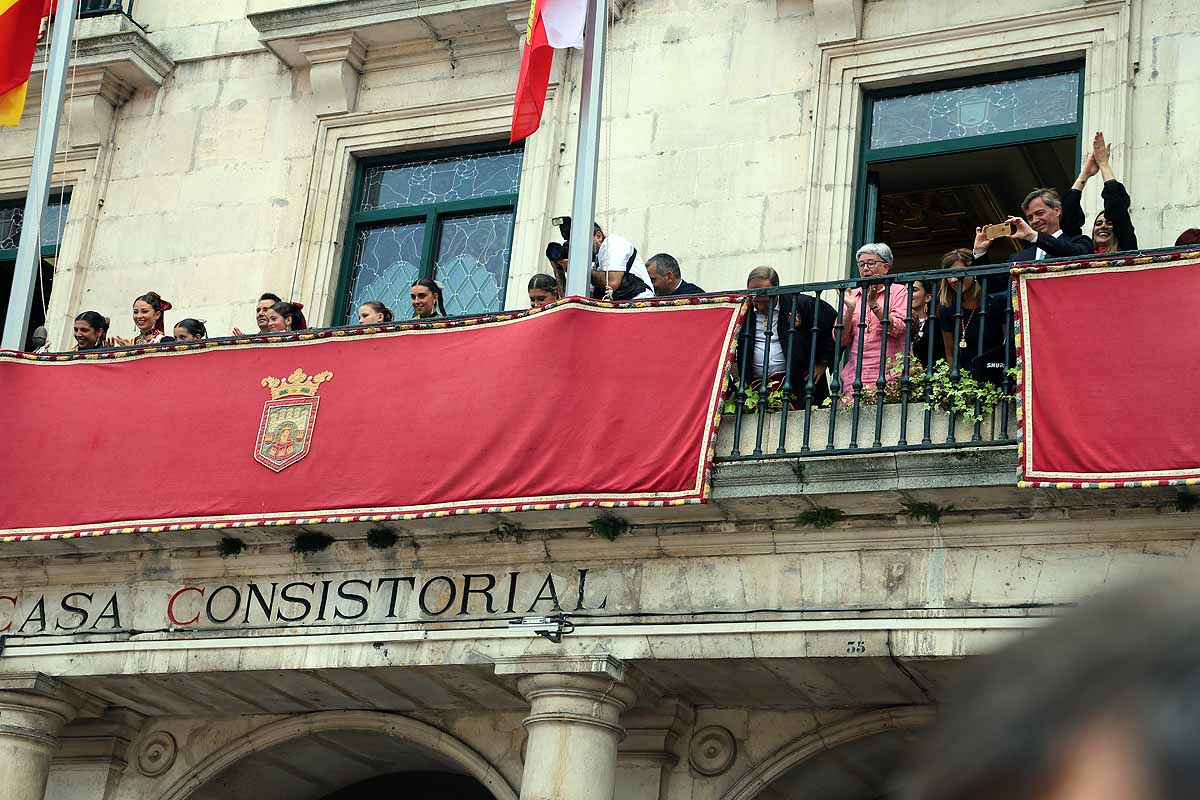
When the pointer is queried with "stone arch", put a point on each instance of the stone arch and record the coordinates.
(824, 739)
(419, 734)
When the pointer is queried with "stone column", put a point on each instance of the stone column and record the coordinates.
(573, 725)
(33, 710)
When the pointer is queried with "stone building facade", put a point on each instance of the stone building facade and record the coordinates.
(214, 148)
(729, 651)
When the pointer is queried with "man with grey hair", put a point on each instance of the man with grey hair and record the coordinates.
(1041, 237)
(666, 277)
(785, 325)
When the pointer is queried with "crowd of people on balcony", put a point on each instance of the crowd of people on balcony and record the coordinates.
(957, 318)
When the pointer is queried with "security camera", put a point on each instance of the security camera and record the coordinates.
(552, 628)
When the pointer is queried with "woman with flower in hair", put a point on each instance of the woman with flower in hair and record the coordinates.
(148, 310)
(284, 316)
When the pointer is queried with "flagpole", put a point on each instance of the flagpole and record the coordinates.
(587, 152)
(29, 249)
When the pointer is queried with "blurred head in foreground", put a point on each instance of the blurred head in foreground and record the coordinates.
(1103, 704)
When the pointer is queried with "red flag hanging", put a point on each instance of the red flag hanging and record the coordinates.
(1105, 402)
(534, 78)
(553, 24)
(20, 23)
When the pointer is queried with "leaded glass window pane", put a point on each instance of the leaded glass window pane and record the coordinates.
(12, 217)
(387, 259)
(472, 261)
(1012, 105)
(441, 180)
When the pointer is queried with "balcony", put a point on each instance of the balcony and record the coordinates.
(915, 427)
(98, 8)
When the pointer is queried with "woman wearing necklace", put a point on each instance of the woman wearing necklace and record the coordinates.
(925, 328)
(960, 329)
(148, 312)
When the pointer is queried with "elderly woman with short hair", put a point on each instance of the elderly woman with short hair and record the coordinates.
(874, 260)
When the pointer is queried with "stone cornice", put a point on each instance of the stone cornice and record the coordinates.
(118, 46)
(452, 28)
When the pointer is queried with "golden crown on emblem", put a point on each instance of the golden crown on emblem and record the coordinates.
(298, 384)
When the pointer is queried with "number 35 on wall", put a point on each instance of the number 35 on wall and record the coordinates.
(856, 647)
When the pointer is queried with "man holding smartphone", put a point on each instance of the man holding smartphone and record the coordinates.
(1041, 235)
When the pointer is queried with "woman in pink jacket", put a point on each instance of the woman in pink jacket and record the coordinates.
(874, 260)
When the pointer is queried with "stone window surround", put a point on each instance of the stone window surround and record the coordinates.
(112, 59)
(343, 139)
(1096, 31)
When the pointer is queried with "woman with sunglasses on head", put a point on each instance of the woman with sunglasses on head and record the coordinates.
(1112, 229)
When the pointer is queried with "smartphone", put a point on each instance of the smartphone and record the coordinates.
(999, 230)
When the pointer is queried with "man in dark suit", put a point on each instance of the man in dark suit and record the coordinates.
(1042, 235)
(791, 319)
(664, 274)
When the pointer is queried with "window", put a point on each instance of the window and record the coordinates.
(448, 216)
(12, 215)
(939, 160)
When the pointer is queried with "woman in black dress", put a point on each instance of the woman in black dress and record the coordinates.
(961, 323)
(1112, 230)
(927, 345)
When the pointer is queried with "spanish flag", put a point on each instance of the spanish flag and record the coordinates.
(553, 25)
(20, 24)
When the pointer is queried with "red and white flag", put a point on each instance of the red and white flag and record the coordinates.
(553, 24)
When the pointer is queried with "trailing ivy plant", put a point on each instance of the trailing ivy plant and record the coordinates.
(381, 538)
(311, 542)
(509, 531)
(230, 546)
(608, 525)
(927, 512)
(754, 401)
(820, 517)
(957, 396)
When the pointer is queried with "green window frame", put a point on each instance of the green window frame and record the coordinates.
(58, 212)
(51, 236)
(429, 223)
(866, 196)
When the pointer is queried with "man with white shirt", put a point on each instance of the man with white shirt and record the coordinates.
(1042, 235)
(619, 272)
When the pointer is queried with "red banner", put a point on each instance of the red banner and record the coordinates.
(1108, 386)
(580, 403)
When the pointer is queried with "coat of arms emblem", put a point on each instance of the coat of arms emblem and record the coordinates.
(285, 433)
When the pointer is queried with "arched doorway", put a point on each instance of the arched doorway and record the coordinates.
(862, 757)
(343, 755)
(414, 786)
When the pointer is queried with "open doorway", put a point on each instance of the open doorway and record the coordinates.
(939, 159)
(927, 206)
